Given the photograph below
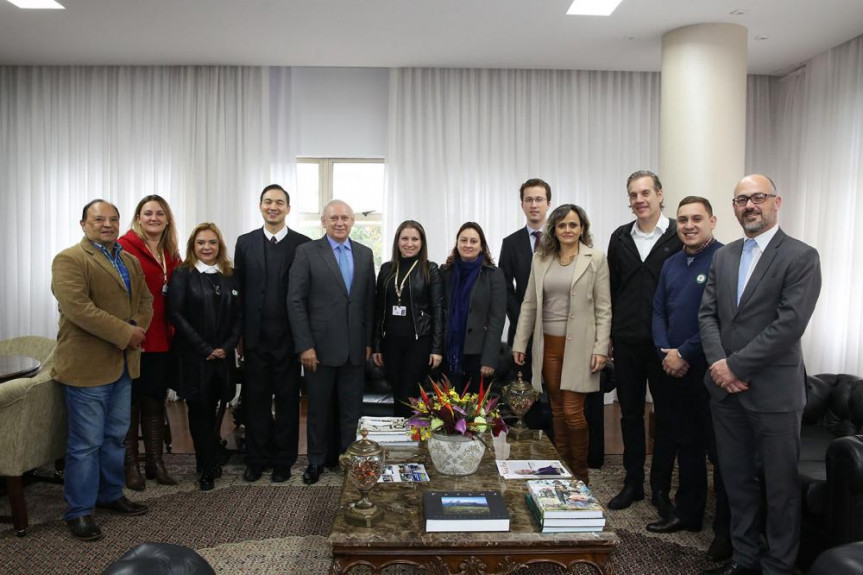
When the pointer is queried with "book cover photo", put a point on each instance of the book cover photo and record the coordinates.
(465, 511)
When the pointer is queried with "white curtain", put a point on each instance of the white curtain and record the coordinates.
(199, 136)
(461, 142)
(815, 155)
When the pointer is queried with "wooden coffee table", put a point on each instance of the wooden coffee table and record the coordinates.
(401, 538)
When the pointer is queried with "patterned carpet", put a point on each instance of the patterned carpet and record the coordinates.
(243, 528)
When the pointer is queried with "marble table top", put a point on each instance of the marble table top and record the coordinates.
(403, 523)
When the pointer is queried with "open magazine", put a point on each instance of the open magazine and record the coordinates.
(403, 473)
(531, 469)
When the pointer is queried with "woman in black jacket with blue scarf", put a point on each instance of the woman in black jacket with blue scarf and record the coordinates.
(476, 308)
(204, 306)
(409, 315)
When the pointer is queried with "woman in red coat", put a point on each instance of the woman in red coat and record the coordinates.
(153, 240)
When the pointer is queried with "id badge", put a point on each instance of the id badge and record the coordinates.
(164, 289)
(400, 310)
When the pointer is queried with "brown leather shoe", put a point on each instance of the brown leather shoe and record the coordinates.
(84, 528)
(123, 506)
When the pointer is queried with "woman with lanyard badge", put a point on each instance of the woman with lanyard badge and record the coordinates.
(153, 240)
(408, 330)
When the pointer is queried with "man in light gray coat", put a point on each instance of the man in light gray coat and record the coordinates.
(330, 307)
(759, 297)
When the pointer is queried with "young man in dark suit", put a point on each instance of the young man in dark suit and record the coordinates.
(759, 297)
(516, 255)
(331, 306)
(262, 260)
(636, 252)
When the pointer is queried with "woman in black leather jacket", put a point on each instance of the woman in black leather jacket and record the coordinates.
(409, 300)
(204, 306)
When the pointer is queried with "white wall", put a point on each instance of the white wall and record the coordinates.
(340, 112)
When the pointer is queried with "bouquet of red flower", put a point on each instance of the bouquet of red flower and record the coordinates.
(446, 411)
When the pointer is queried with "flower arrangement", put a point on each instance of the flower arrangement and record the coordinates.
(446, 411)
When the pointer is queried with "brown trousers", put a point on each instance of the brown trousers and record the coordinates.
(567, 410)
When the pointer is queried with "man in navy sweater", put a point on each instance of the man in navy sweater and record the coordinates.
(678, 343)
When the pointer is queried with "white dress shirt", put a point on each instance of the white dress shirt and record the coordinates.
(645, 241)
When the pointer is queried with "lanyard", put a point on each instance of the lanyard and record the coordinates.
(396, 285)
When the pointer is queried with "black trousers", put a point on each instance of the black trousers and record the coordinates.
(692, 426)
(406, 364)
(635, 365)
(272, 380)
(155, 373)
(539, 414)
(470, 373)
(333, 389)
(203, 425)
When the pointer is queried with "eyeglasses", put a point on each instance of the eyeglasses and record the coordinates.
(759, 198)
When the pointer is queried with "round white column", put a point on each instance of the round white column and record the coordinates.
(702, 130)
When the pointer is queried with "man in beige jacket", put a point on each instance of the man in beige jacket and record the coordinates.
(105, 309)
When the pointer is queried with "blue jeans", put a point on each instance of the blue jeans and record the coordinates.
(98, 422)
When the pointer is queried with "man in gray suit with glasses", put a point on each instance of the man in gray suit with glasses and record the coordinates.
(760, 294)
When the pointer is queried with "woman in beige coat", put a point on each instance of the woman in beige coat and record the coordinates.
(567, 310)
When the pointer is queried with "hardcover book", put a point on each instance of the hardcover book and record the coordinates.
(531, 468)
(461, 511)
(564, 498)
(574, 525)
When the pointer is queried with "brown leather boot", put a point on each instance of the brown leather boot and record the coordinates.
(579, 439)
(153, 424)
(561, 438)
(134, 479)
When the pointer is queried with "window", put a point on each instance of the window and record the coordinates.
(359, 182)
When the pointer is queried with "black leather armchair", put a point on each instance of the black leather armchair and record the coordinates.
(831, 464)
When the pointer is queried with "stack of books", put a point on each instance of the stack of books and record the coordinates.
(564, 506)
(390, 431)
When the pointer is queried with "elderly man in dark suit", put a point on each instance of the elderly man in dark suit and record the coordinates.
(262, 260)
(105, 310)
(759, 297)
(331, 308)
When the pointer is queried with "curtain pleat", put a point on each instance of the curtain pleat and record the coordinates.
(202, 137)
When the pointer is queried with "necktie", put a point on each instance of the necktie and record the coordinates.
(537, 239)
(745, 262)
(344, 266)
(273, 240)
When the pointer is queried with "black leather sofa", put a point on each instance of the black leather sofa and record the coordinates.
(378, 400)
(831, 464)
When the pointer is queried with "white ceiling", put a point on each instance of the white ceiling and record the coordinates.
(395, 33)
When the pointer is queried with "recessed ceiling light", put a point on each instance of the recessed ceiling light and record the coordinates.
(38, 4)
(592, 7)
